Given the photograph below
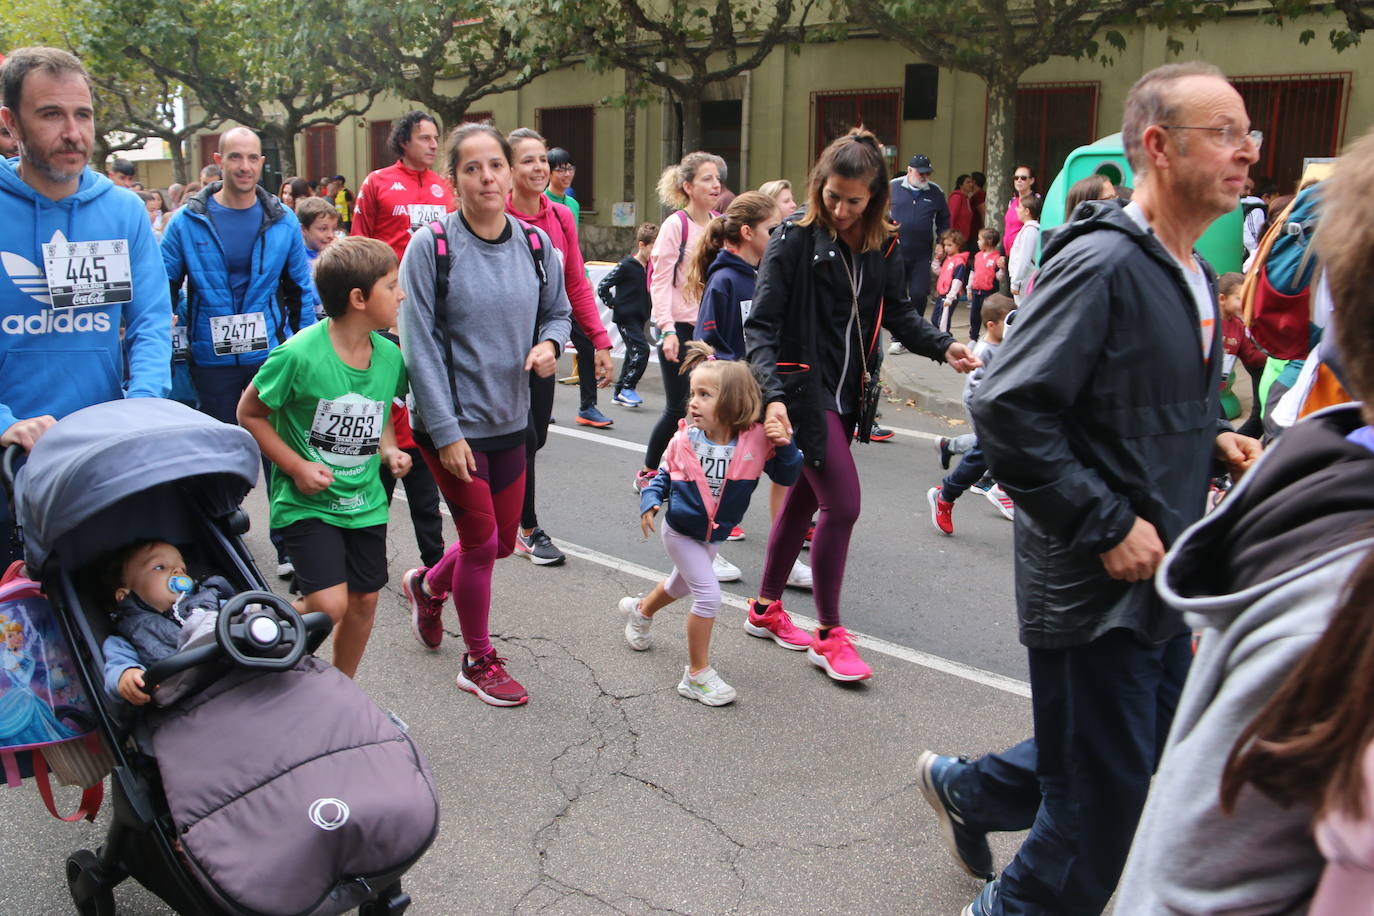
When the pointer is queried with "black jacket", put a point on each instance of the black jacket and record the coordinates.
(1099, 409)
(922, 216)
(625, 291)
(798, 330)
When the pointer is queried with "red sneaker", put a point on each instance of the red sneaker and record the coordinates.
(835, 654)
(775, 624)
(941, 512)
(426, 613)
(810, 533)
(487, 678)
(736, 534)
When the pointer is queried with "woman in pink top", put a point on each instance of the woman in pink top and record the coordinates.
(692, 186)
(527, 203)
(1023, 181)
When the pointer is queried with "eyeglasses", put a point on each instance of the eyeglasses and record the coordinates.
(1020, 178)
(565, 168)
(1229, 135)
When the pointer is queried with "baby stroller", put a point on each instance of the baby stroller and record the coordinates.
(277, 787)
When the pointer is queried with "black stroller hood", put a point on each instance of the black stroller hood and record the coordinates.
(93, 460)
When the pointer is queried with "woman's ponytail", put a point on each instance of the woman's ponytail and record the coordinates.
(702, 256)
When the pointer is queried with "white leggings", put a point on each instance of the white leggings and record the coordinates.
(692, 571)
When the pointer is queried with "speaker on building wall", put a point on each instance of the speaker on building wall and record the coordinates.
(922, 88)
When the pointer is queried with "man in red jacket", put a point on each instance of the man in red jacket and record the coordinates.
(391, 204)
(395, 201)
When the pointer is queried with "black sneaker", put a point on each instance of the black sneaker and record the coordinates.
(942, 446)
(967, 844)
(538, 548)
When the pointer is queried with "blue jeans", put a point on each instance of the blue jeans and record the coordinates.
(970, 470)
(1102, 714)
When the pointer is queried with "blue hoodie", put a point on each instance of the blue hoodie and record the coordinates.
(56, 361)
(281, 285)
(725, 303)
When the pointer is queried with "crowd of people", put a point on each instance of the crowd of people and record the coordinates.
(1226, 773)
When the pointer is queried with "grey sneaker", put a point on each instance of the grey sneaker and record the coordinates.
(636, 624)
(538, 548)
(706, 687)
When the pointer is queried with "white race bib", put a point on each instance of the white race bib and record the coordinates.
(745, 307)
(347, 431)
(181, 343)
(246, 333)
(424, 214)
(88, 273)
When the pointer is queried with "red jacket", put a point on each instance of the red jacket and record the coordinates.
(395, 201)
(557, 222)
(1236, 342)
(960, 214)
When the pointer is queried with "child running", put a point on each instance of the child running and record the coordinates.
(625, 291)
(319, 409)
(973, 465)
(710, 468)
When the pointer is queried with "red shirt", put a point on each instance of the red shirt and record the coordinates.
(984, 270)
(960, 214)
(558, 224)
(395, 201)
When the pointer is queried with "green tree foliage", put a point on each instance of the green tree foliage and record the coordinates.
(685, 47)
(249, 61)
(446, 55)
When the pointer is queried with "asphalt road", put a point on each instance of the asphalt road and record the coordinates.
(609, 792)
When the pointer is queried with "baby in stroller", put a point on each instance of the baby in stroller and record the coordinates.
(159, 611)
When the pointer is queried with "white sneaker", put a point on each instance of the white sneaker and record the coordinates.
(999, 498)
(725, 570)
(706, 687)
(800, 576)
(897, 349)
(636, 624)
(285, 569)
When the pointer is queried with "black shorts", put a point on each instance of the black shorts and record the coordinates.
(325, 555)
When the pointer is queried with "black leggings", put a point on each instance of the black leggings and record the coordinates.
(675, 388)
(636, 354)
(536, 434)
(586, 369)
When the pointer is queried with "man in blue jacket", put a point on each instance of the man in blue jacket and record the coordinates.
(921, 213)
(248, 281)
(79, 261)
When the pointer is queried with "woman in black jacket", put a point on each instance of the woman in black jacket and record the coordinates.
(829, 280)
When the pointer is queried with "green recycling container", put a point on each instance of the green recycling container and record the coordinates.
(1221, 244)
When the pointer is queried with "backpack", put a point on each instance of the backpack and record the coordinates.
(441, 269)
(1277, 292)
(681, 249)
(45, 716)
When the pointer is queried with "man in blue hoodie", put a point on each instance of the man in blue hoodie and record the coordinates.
(79, 261)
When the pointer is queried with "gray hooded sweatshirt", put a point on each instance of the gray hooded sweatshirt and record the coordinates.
(1261, 578)
(496, 311)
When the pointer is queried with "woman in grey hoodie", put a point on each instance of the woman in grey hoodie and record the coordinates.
(480, 286)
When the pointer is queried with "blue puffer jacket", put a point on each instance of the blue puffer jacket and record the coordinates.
(281, 286)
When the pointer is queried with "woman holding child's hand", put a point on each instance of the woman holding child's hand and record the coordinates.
(477, 295)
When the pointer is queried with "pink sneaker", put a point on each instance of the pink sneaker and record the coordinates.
(836, 655)
(487, 678)
(775, 624)
(426, 613)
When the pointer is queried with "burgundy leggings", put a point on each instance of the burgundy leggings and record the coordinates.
(834, 489)
(487, 515)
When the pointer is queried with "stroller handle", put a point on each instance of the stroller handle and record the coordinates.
(11, 457)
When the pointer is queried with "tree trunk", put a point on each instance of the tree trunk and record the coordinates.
(691, 123)
(450, 116)
(285, 135)
(180, 173)
(631, 116)
(1001, 132)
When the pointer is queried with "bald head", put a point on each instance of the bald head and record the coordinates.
(240, 159)
(1155, 99)
(234, 136)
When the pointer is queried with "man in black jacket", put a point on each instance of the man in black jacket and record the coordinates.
(921, 213)
(1100, 419)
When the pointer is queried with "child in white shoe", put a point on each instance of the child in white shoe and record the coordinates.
(709, 471)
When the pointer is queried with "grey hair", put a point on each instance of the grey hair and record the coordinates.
(1151, 101)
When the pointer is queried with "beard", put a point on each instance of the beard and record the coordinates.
(45, 166)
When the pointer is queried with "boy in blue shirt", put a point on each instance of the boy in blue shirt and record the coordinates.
(319, 408)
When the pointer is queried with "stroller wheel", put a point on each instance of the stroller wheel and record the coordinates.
(87, 885)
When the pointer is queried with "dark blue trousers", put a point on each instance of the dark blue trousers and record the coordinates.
(1102, 714)
(969, 471)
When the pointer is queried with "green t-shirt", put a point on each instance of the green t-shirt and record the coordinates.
(568, 201)
(331, 413)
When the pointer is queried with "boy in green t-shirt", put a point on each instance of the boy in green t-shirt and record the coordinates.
(319, 408)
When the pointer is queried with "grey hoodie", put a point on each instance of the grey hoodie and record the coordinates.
(1260, 577)
(496, 311)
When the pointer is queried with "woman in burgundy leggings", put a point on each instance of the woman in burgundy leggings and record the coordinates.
(828, 281)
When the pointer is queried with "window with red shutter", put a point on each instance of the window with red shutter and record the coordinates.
(573, 128)
(1302, 116)
(876, 110)
(1053, 120)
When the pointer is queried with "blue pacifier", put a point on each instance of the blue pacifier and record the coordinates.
(179, 584)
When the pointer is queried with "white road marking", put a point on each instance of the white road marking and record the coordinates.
(895, 650)
(600, 438)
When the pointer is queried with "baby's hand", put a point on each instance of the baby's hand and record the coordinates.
(646, 521)
(312, 478)
(776, 431)
(131, 687)
(397, 462)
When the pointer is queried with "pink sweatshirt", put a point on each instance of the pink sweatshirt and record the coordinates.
(669, 303)
(1347, 885)
(557, 222)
